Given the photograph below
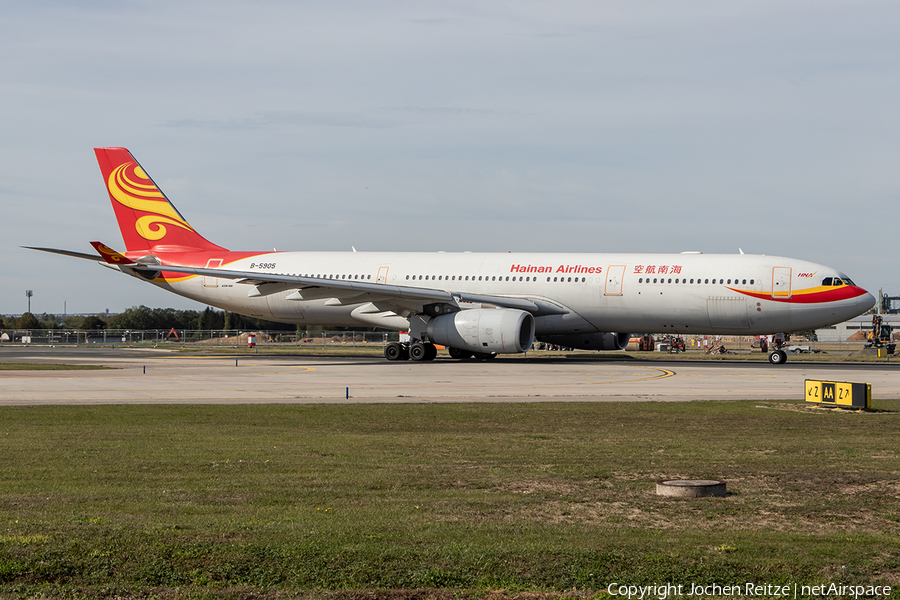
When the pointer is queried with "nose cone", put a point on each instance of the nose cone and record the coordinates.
(865, 302)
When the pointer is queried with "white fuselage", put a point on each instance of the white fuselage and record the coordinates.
(637, 293)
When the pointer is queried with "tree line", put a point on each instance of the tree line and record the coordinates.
(143, 318)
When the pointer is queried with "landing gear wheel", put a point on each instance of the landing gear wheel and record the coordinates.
(417, 352)
(459, 354)
(778, 357)
(394, 351)
(430, 352)
(484, 356)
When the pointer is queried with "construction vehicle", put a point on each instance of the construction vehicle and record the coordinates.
(881, 335)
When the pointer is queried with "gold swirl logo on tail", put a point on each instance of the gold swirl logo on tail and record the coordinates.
(108, 253)
(130, 186)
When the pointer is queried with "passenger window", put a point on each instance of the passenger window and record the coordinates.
(640, 280)
(670, 280)
(751, 282)
(743, 282)
(654, 280)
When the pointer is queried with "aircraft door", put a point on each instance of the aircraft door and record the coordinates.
(382, 275)
(213, 263)
(614, 276)
(781, 282)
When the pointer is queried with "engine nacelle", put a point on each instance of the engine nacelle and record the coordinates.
(590, 341)
(488, 331)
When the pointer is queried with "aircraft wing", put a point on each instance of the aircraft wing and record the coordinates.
(350, 292)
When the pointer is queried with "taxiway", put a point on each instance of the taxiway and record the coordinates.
(148, 376)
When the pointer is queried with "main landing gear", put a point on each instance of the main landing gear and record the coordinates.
(425, 351)
(419, 351)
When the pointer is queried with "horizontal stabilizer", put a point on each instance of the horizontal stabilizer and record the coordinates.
(110, 255)
(66, 252)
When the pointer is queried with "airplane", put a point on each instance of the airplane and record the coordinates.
(478, 305)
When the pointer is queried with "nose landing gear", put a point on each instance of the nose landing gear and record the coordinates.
(778, 356)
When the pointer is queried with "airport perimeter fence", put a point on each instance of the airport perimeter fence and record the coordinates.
(174, 338)
(197, 338)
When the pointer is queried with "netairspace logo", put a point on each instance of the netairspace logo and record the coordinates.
(745, 590)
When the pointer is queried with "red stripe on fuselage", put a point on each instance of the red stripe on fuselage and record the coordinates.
(814, 296)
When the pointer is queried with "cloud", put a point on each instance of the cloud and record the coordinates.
(579, 126)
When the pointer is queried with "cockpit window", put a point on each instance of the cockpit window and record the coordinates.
(836, 281)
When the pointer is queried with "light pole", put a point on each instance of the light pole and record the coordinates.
(29, 294)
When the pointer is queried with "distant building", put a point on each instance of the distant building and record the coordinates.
(843, 331)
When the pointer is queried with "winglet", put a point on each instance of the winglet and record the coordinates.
(110, 255)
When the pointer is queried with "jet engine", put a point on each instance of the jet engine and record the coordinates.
(485, 331)
(590, 341)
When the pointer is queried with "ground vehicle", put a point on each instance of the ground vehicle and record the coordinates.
(881, 336)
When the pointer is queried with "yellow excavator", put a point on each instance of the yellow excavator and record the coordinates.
(881, 335)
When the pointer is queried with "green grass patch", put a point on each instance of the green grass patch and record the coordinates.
(235, 501)
(21, 366)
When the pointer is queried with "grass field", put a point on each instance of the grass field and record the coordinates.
(318, 501)
(23, 366)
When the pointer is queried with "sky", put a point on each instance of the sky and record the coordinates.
(594, 126)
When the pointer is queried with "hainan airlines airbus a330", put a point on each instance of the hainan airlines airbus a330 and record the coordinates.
(476, 304)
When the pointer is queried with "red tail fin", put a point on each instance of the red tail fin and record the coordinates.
(147, 220)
